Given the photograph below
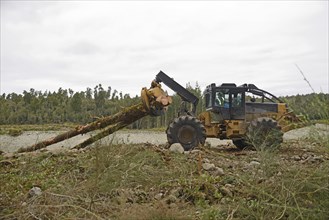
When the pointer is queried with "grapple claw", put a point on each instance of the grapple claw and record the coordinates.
(155, 100)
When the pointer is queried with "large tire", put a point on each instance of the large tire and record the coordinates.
(240, 143)
(264, 133)
(186, 130)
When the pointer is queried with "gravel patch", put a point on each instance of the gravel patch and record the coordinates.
(12, 144)
(28, 138)
(300, 133)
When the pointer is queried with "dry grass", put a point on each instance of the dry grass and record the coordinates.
(150, 182)
(19, 128)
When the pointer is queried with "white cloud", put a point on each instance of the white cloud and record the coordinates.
(78, 44)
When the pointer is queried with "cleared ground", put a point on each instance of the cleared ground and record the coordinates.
(11, 144)
(149, 181)
(146, 181)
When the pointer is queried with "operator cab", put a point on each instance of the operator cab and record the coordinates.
(226, 100)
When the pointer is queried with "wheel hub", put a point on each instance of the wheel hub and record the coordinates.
(186, 134)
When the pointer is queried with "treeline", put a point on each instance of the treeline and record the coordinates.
(314, 106)
(68, 106)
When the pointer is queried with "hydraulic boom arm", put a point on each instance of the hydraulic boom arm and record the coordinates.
(180, 90)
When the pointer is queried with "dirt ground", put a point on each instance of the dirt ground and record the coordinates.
(28, 138)
(142, 179)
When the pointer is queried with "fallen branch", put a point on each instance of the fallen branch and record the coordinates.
(71, 206)
(308, 82)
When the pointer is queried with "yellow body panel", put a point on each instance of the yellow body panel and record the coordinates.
(229, 129)
(212, 128)
(235, 128)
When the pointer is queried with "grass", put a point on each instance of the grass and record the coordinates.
(17, 129)
(85, 185)
(285, 191)
(136, 166)
(150, 182)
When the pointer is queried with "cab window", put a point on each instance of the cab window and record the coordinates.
(208, 100)
(237, 99)
(222, 99)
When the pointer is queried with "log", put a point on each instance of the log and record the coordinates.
(117, 121)
(109, 130)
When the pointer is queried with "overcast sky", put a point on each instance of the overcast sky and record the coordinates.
(78, 44)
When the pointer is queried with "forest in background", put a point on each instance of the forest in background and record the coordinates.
(68, 106)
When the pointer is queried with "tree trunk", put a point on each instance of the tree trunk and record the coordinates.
(110, 129)
(121, 119)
